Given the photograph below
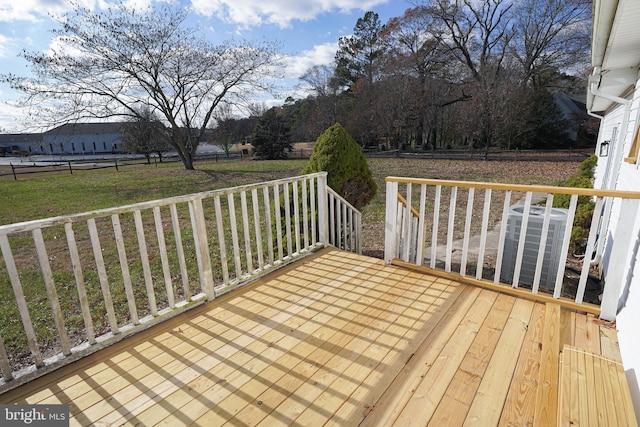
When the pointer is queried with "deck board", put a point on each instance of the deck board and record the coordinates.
(335, 339)
(519, 407)
(486, 407)
(593, 390)
(464, 385)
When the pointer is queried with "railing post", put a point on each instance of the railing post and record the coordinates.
(202, 247)
(323, 218)
(390, 222)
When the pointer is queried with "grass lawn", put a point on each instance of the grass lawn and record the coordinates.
(47, 195)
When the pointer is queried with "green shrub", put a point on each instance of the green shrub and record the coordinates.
(341, 157)
(576, 181)
(587, 167)
(585, 206)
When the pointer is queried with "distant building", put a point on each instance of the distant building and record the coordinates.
(573, 111)
(82, 138)
(70, 138)
(18, 143)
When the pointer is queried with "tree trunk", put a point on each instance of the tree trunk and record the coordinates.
(187, 160)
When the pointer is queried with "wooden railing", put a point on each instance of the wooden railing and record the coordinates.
(511, 238)
(70, 285)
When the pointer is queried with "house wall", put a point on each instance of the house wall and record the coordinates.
(621, 257)
(80, 143)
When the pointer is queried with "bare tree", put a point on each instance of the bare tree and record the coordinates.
(550, 34)
(113, 63)
(418, 60)
(222, 136)
(145, 135)
(320, 79)
(476, 32)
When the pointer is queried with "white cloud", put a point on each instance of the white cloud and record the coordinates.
(278, 12)
(6, 46)
(38, 10)
(319, 55)
(11, 117)
(30, 10)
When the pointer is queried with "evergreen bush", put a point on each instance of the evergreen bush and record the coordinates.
(347, 169)
(585, 206)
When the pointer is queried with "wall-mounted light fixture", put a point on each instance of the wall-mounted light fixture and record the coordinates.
(604, 148)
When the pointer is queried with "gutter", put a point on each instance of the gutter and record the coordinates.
(594, 82)
(604, 13)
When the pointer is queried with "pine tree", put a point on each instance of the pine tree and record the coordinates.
(272, 137)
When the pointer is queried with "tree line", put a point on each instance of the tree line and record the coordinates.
(446, 74)
(456, 73)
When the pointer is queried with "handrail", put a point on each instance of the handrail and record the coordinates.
(345, 223)
(518, 187)
(111, 272)
(487, 240)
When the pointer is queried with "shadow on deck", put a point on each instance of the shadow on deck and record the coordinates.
(339, 339)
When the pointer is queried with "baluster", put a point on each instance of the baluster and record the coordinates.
(467, 232)
(591, 241)
(258, 228)
(312, 187)
(269, 225)
(483, 233)
(390, 230)
(421, 226)
(202, 247)
(544, 233)
(565, 246)
(332, 221)
(503, 235)
(406, 226)
(305, 214)
(102, 274)
(124, 268)
(399, 221)
(82, 291)
(522, 239)
(322, 208)
(276, 201)
(146, 268)
(344, 225)
(247, 231)
(180, 251)
(5, 366)
(234, 235)
(436, 224)
(296, 216)
(221, 241)
(164, 257)
(47, 275)
(20, 300)
(450, 228)
(287, 219)
(352, 231)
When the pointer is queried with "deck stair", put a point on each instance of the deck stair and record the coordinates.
(593, 390)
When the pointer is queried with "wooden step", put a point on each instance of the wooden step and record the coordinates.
(593, 391)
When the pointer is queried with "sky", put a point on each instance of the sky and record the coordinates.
(307, 29)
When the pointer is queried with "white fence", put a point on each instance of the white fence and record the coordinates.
(70, 285)
(502, 236)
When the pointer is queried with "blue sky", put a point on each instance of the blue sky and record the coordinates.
(308, 30)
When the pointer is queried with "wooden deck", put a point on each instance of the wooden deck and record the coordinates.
(337, 339)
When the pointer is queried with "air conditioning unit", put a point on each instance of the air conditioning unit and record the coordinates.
(552, 248)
